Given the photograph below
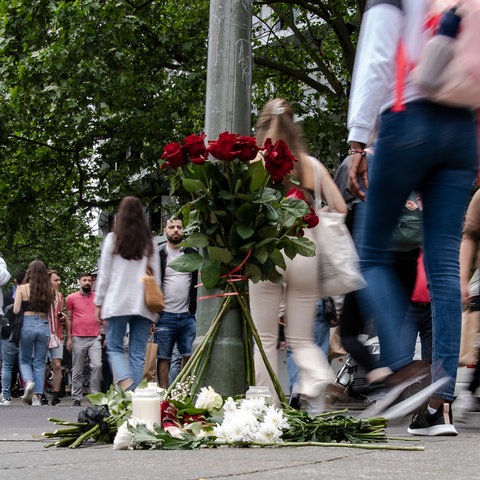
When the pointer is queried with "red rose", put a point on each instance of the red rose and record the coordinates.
(295, 193)
(223, 147)
(196, 149)
(311, 219)
(174, 154)
(168, 414)
(245, 148)
(278, 159)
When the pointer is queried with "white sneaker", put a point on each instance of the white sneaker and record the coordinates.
(28, 393)
(36, 400)
(464, 403)
(5, 402)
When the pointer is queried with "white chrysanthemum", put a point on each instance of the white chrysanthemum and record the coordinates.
(208, 399)
(229, 406)
(235, 430)
(267, 433)
(275, 417)
(256, 405)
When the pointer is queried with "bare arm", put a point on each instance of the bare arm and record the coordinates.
(467, 254)
(17, 304)
(68, 327)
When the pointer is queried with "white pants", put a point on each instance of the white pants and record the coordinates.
(301, 295)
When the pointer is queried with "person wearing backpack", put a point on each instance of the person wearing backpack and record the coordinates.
(423, 146)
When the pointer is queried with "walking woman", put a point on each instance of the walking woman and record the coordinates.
(119, 294)
(35, 297)
(300, 276)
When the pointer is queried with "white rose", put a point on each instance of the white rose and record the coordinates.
(208, 399)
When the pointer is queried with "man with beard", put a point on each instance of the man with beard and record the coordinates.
(177, 323)
(83, 338)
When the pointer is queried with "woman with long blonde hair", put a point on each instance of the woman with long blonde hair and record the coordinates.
(300, 282)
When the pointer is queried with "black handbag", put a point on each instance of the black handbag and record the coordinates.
(7, 322)
(16, 328)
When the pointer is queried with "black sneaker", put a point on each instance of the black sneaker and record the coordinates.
(43, 399)
(438, 423)
(55, 400)
(77, 403)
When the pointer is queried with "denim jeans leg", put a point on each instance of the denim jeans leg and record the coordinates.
(175, 365)
(137, 347)
(40, 350)
(321, 329)
(418, 150)
(9, 355)
(116, 329)
(25, 354)
(292, 371)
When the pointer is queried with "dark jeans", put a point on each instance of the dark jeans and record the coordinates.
(431, 149)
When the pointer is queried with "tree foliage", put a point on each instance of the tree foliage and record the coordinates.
(92, 89)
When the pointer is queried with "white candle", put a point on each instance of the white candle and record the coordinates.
(146, 406)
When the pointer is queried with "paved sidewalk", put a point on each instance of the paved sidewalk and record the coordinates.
(23, 455)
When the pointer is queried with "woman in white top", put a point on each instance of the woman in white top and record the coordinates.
(119, 293)
(301, 292)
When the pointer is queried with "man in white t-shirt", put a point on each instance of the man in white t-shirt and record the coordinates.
(177, 323)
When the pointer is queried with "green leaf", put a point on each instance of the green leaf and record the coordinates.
(244, 231)
(253, 272)
(296, 207)
(218, 254)
(261, 254)
(304, 246)
(192, 185)
(210, 274)
(275, 277)
(196, 239)
(188, 262)
(258, 174)
(277, 258)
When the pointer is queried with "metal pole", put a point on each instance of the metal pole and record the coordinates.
(229, 68)
(227, 109)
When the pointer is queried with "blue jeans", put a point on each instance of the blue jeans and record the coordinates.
(431, 149)
(131, 366)
(179, 328)
(321, 333)
(9, 355)
(33, 348)
(418, 321)
(175, 365)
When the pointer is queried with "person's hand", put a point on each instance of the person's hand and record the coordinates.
(69, 344)
(282, 320)
(358, 169)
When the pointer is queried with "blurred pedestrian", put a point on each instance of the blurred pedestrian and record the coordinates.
(425, 147)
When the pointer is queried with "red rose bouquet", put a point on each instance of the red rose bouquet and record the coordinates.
(237, 216)
(235, 210)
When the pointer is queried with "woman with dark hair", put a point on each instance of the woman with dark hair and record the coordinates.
(119, 294)
(35, 297)
(276, 121)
